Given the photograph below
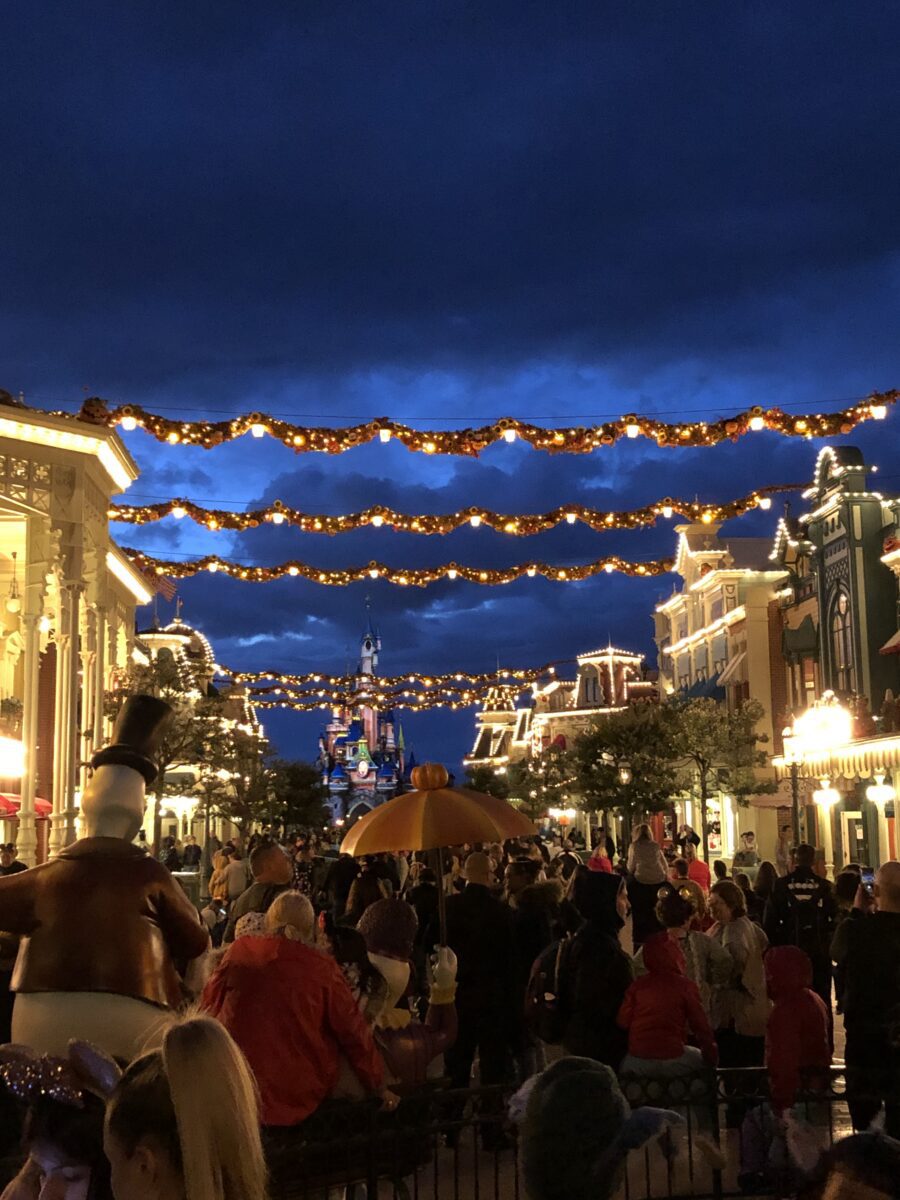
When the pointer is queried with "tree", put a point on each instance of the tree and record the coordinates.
(186, 735)
(299, 792)
(543, 781)
(487, 779)
(627, 762)
(719, 748)
(245, 794)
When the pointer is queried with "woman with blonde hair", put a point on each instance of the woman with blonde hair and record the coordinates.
(182, 1123)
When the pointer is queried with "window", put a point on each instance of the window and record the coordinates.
(842, 645)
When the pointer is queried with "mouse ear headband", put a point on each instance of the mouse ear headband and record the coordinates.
(32, 1077)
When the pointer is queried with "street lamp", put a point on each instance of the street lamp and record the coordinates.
(826, 797)
(881, 794)
(824, 724)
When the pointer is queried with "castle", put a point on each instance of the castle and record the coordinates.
(361, 750)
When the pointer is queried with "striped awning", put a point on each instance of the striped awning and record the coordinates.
(727, 676)
(10, 803)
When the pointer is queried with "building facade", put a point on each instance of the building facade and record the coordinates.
(66, 618)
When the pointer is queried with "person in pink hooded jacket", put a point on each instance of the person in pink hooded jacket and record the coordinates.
(797, 1044)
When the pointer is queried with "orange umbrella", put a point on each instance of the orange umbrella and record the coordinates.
(435, 816)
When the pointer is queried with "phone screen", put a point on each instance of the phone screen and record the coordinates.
(867, 879)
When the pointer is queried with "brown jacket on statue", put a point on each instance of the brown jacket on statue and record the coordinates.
(102, 917)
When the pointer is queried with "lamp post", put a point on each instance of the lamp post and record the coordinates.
(826, 797)
(824, 724)
(881, 793)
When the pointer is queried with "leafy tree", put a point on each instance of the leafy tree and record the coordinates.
(246, 793)
(720, 749)
(544, 781)
(627, 762)
(486, 779)
(299, 792)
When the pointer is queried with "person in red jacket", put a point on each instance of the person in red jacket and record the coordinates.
(291, 1011)
(662, 1011)
(797, 1043)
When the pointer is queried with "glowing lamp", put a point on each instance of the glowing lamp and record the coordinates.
(212, 567)
(258, 430)
(765, 502)
(632, 429)
(373, 573)
(609, 567)
(571, 518)
(384, 435)
(879, 792)
(509, 435)
(531, 572)
(826, 795)
(757, 423)
(667, 511)
(293, 570)
(452, 573)
(179, 512)
(878, 411)
(12, 758)
(277, 518)
(129, 424)
(378, 520)
(475, 520)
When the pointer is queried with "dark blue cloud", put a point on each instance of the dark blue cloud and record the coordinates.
(447, 212)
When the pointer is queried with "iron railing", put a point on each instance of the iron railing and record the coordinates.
(461, 1145)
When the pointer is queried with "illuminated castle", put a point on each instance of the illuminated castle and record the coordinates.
(361, 750)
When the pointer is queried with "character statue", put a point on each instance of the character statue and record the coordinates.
(107, 933)
(408, 1047)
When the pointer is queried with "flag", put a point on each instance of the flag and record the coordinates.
(164, 586)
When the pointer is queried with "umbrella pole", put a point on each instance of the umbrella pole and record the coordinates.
(442, 899)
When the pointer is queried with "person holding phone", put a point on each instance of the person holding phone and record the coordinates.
(866, 948)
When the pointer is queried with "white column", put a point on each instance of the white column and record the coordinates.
(825, 820)
(69, 812)
(27, 836)
(60, 724)
(99, 680)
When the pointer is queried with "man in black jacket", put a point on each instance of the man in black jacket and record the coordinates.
(867, 947)
(479, 931)
(802, 912)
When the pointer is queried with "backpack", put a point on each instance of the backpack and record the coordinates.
(544, 1013)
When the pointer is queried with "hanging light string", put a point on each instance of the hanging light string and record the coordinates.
(489, 678)
(581, 439)
(420, 704)
(402, 576)
(361, 695)
(516, 524)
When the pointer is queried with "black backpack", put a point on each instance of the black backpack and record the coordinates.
(544, 1012)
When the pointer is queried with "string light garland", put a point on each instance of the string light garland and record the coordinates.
(420, 705)
(516, 524)
(490, 678)
(401, 576)
(351, 696)
(581, 439)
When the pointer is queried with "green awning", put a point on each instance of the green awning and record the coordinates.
(802, 642)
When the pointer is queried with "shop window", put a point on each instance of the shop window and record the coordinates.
(842, 645)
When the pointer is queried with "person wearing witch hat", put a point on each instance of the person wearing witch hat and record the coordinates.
(107, 933)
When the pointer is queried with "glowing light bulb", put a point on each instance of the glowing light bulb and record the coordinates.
(452, 573)
(258, 430)
(44, 624)
(377, 520)
(129, 423)
(179, 512)
(667, 511)
(212, 567)
(571, 517)
(707, 517)
(475, 520)
(429, 447)
(609, 567)
(173, 437)
(509, 435)
(765, 502)
(757, 423)
(531, 572)
(632, 430)
(277, 518)
(373, 572)
(878, 411)
(384, 435)
(293, 570)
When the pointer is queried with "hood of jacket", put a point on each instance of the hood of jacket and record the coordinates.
(663, 956)
(594, 895)
(788, 971)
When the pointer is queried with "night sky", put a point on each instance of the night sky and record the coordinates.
(446, 213)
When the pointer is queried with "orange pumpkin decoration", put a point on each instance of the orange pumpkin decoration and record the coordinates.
(429, 776)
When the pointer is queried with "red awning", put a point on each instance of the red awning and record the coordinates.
(10, 801)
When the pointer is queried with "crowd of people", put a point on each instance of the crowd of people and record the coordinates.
(328, 985)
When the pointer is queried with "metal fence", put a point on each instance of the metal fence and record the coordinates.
(446, 1145)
